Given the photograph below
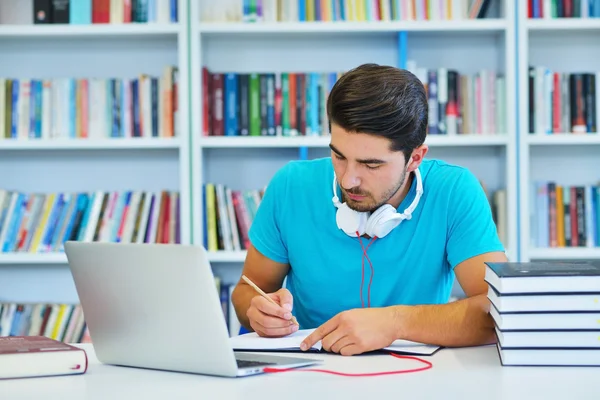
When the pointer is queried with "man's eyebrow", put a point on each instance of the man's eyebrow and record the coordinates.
(362, 161)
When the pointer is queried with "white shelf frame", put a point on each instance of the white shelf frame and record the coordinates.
(563, 139)
(564, 253)
(235, 28)
(91, 144)
(92, 30)
(565, 24)
(208, 142)
(60, 258)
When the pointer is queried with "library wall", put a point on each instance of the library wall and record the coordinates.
(116, 122)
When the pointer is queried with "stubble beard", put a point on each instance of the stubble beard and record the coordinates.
(369, 204)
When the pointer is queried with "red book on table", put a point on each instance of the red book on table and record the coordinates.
(36, 356)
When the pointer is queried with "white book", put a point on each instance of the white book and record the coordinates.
(23, 108)
(550, 357)
(94, 215)
(154, 217)
(46, 108)
(131, 216)
(223, 218)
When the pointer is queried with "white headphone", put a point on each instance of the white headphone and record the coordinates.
(380, 222)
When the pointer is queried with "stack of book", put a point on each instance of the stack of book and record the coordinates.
(546, 313)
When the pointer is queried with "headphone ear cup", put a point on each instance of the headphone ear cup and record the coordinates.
(351, 221)
(383, 221)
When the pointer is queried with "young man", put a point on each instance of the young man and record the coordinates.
(364, 278)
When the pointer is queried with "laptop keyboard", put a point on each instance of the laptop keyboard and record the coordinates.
(248, 363)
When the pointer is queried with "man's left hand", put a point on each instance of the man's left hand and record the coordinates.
(355, 331)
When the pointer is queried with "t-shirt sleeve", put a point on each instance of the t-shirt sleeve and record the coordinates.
(265, 233)
(471, 227)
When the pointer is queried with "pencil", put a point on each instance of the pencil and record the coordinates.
(263, 294)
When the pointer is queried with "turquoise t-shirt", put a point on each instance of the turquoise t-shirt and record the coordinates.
(295, 223)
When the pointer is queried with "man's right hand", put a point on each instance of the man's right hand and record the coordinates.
(269, 320)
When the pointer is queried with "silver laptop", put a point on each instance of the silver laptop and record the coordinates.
(156, 306)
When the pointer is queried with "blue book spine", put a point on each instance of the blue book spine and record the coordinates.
(32, 102)
(231, 104)
(53, 221)
(77, 199)
(38, 108)
(62, 220)
(15, 221)
(14, 329)
(152, 11)
(301, 10)
(86, 217)
(15, 109)
(80, 12)
(174, 11)
(136, 108)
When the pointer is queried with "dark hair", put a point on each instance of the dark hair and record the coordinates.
(381, 100)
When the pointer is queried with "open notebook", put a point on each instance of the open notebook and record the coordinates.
(291, 343)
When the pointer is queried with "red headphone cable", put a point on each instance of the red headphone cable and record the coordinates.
(362, 280)
(428, 365)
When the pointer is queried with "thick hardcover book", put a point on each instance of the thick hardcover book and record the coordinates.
(544, 302)
(546, 321)
(36, 356)
(544, 277)
(548, 357)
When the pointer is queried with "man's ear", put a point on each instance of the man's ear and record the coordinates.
(417, 157)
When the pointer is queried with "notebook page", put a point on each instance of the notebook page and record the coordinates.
(408, 347)
(251, 341)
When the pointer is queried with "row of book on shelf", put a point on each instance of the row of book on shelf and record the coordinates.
(62, 322)
(85, 12)
(341, 10)
(144, 106)
(463, 103)
(294, 103)
(227, 215)
(546, 313)
(66, 322)
(265, 104)
(561, 102)
(565, 215)
(563, 9)
(43, 222)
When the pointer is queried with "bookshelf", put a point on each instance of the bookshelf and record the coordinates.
(57, 159)
(247, 163)
(549, 150)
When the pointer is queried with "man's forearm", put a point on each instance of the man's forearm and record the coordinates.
(241, 298)
(464, 322)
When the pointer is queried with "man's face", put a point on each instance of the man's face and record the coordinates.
(369, 173)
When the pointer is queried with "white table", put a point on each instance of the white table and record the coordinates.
(467, 373)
